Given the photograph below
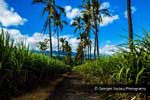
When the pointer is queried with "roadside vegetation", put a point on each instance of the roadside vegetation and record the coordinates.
(123, 67)
(21, 69)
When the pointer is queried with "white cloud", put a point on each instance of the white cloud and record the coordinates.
(15, 35)
(108, 49)
(8, 17)
(33, 40)
(105, 5)
(18, 37)
(133, 10)
(73, 41)
(68, 8)
(108, 20)
(72, 12)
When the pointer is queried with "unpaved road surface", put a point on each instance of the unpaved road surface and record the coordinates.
(71, 88)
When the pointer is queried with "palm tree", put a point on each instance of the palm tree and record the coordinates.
(52, 10)
(97, 13)
(77, 22)
(88, 43)
(88, 28)
(130, 29)
(80, 53)
(88, 21)
(81, 47)
(62, 40)
(68, 53)
(82, 26)
(58, 23)
(92, 17)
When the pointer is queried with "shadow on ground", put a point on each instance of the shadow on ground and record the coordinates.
(71, 88)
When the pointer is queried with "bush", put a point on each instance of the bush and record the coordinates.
(96, 72)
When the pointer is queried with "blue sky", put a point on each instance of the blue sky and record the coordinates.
(23, 21)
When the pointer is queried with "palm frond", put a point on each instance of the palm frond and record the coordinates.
(38, 1)
(44, 11)
(45, 26)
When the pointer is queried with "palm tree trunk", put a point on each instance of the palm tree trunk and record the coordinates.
(83, 55)
(63, 50)
(130, 29)
(96, 39)
(50, 37)
(58, 41)
(63, 53)
(95, 48)
(90, 51)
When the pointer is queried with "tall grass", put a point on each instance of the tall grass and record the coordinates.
(123, 67)
(97, 71)
(21, 69)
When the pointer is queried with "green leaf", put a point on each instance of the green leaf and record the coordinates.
(138, 75)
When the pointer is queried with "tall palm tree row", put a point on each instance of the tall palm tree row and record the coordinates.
(82, 26)
(88, 23)
(87, 18)
(79, 27)
(130, 29)
(53, 11)
(92, 15)
(80, 49)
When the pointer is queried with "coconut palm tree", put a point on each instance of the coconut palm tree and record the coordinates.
(97, 14)
(130, 29)
(58, 23)
(88, 43)
(52, 9)
(68, 53)
(82, 29)
(92, 17)
(81, 47)
(80, 53)
(78, 24)
(89, 27)
(87, 31)
(62, 40)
